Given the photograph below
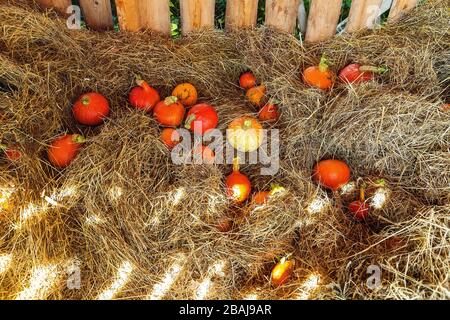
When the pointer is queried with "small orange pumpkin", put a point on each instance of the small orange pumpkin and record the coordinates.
(320, 76)
(238, 185)
(186, 93)
(282, 271)
(12, 153)
(247, 80)
(269, 112)
(262, 197)
(170, 137)
(257, 95)
(169, 112)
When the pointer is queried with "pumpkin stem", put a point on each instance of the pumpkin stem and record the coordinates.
(247, 124)
(170, 100)
(274, 101)
(77, 138)
(380, 183)
(362, 196)
(379, 70)
(236, 166)
(3, 147)
(143, 84)
(189, 120)
(85, 101)
(324, 64)
(276, 188)
(286, 258)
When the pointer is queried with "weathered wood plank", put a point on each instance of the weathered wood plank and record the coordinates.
(135, 15)
(97, 14)
(196, 14)
(241, 14)
(59, 5)
(282, 14)
(323, 19)
(400, 7)
(363, 14)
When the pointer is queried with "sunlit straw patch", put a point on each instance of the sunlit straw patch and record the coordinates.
(308, 286)
(161, 288)
(204, 287)
(318, 204)
(5, 195)
(380, 197)
(121, 279)
(42, 279)
(348, 188)
(5, 262)
(93, 219)
(251, 296)
(177, 195)
(56, 198)
(30, 211)
(115, 192)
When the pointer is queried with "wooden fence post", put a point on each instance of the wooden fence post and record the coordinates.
(282, 14)
(59, 5)
(241, 14)
(196, 14)
(135, 15)
(323, 19)
(363, 14)
(400, 7)
(97, 14)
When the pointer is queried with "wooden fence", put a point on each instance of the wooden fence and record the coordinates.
(135, 15)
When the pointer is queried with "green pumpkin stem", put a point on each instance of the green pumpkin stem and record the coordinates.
(85, 101)
(276, 188)
(236, 165)
(323, 64)
(191, 118)
(170, 100)
(77, 138)
(247, 124)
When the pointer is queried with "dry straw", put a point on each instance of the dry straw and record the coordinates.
(138, 226)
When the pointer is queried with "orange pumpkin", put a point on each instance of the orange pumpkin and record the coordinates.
(262, 197)
(269, 112)
(143, 97)
(247, 80)
(238, 185)
(169, 112)
(282, 271)
(360, 209)
(12, 153)
(320, 76)
(186, 93)
(331, 174)
(170, 137)
(91, 109)
(64, 149)
(257, 95)
(245, 134)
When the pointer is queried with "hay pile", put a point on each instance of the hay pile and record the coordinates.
(131, 221)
